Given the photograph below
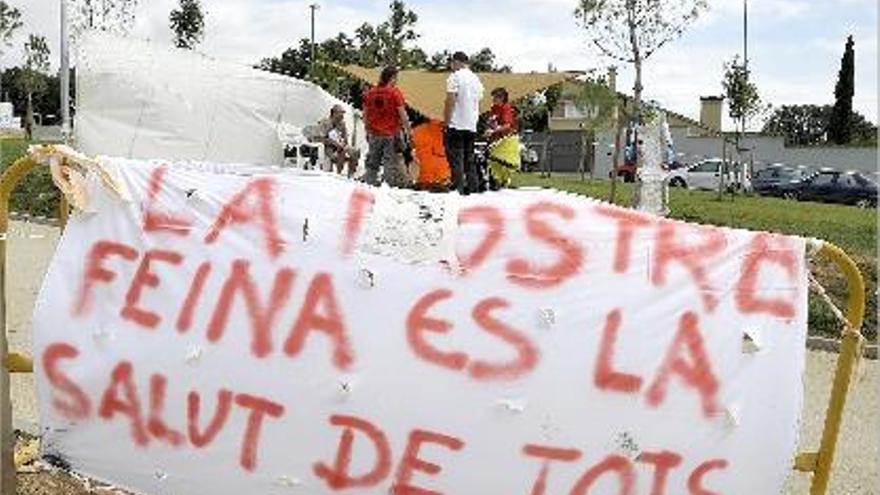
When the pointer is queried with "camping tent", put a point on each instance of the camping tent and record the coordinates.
(138, 99)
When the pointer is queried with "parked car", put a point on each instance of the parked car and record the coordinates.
(834, 186)
(779, 180)
(707, 175)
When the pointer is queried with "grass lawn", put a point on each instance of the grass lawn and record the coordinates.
(851, 228)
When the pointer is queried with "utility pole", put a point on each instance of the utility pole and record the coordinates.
(313, 7)
(64, 75)
(746, 34)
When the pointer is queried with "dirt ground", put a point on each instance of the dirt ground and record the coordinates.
(856, 464)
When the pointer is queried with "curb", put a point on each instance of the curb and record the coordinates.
(831, 345)
(26, 217)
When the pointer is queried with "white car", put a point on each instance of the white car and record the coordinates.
(707, 175)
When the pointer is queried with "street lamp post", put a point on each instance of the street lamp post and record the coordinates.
(313, 7)
(746, 34)
(65, 75)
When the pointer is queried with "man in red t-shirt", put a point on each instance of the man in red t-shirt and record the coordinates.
(385, 117)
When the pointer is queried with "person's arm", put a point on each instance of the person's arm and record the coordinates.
(451, 93)
(404, 121)
(330, 142)
(400, 102)
(448, 107)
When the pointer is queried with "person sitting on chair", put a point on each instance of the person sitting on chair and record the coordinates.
(333, 134)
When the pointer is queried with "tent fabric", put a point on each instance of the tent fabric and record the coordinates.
(426, 91)
(430, 152)
(137, 99)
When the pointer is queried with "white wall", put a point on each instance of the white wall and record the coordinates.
(765, 150)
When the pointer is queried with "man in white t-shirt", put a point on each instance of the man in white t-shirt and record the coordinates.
(463, 94)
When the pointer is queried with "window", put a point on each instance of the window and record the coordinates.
(862, 180)
(791, 175)
(572, 111)
(707, 167)
(825, 179)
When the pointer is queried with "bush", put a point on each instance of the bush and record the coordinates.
(36, 194)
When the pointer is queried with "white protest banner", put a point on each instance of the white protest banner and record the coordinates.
(239, 330)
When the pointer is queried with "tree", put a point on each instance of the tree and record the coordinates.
(389, 42)
(33, 79)
(807, 125)
(484, 61)
(10, 22)
(188, 24)
(534, 111)
(800, 125)
(45, 103)
(839, 127)
(396, 33)
(113, 16)
(743, 100)
(438, 62)
(630, 31)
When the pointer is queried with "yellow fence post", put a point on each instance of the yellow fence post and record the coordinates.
(822, 461)
(8, 181)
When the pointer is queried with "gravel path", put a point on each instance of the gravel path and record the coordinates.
(856, 471)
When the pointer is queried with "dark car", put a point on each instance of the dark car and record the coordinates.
(834, 186)
(779, 180)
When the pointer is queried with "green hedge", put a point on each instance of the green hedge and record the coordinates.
(35, 194)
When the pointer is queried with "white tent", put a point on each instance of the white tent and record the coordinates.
(138, 99)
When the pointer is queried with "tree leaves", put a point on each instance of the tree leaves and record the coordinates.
(839, 128)
(807, 125)
(656, 22)
(188, 24)
(743, 100)
(36, 64)
(10, 22)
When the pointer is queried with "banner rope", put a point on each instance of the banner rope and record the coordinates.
(861, 371)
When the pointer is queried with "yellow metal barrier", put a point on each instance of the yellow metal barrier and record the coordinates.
(819, 463)
(12, 362)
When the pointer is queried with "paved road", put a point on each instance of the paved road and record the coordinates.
(856, 471)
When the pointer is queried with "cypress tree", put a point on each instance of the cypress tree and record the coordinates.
(840, 124)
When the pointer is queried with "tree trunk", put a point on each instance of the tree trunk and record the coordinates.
(637, 97)
(615, 160)
(29, 117)
(723, 161)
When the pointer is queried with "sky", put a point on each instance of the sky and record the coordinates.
(794, 45)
